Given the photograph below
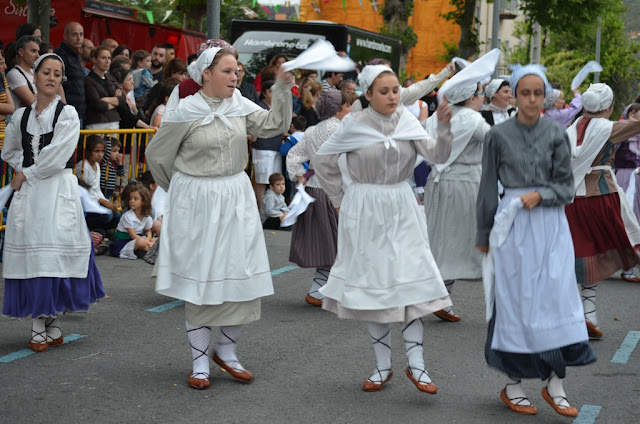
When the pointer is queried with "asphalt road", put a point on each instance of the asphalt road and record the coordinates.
(132, 366)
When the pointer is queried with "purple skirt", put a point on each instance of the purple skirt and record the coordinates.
(48, 296)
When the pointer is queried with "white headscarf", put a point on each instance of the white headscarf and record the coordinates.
(43, 57)
(493, 87)
(551, 99)
(598, 97)
(461, 94)
(518, 71)
(204, 61)
(370, 73)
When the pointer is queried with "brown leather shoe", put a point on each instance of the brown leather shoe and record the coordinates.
(56, 342)
(423, 387)
(198, 383)
(446, 316)
(371, 386)
(629, 278)
(244, 376)
(520, 409)
(565, 411)
(38, 347)
(593, 331)
(312, 300)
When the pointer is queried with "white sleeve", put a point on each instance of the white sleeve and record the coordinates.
(126, 221)
(12, 152)
(147, 223)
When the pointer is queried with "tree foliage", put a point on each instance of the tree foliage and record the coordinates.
(463, 15)
(396, 14)
(566, 51)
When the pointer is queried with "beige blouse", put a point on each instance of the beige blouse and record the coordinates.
(214, 150)
(376, 164)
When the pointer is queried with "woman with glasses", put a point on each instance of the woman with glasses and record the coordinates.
(451, 190)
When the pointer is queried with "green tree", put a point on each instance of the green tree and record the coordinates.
(464, 16)
(396, 14)
(566, 51)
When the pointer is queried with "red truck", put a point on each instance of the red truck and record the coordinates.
(101, 20)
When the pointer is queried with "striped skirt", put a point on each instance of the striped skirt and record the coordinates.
(600, 240)
(314, 240)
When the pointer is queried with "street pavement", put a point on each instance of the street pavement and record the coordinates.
(132, 366)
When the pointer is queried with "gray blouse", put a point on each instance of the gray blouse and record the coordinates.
(214, 150)
(377, 164)
(522, 156)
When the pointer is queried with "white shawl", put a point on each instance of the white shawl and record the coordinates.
(463, 124)
(194, 107)
(353, 135)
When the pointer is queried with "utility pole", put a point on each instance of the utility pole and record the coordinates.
(213, 19)
(596, 77)
(495, 30)
(536, 43)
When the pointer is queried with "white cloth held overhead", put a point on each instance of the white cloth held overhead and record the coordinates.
(297, 207)
(590, 67)
(321, 56)
(462, 63)
(475, 72)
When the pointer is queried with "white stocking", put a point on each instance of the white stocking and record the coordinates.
(556, 390)
(199, 339)
(515, 393)
(319, 280)
(226, 348)
(52, 326)
(381, 340)
(38, 330)
(449, 286)
(413, 334)
(588, 294)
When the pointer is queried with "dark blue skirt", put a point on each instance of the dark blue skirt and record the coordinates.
(537, 365)
(48, 296)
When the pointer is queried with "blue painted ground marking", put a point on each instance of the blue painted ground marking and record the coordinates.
(166, 306)
(626, 348)
(176, 303)
(588, 414)
(28, 352)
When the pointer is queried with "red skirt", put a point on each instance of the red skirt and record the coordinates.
(600, 240)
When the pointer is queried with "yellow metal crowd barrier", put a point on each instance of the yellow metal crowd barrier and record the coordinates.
(134, 143)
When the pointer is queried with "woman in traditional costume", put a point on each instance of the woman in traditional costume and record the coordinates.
(606, 234)
(213, 254)
(451, 191)
(48, 262)
(384, 270)
(314, 239)
(536, 326)
(555, 110)
(499, 108)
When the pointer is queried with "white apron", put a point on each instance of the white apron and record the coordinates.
(202, 214)
(46, 233)
(538, 306)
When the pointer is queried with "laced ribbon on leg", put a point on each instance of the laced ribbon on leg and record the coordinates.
(199, 339)
(448, 284)
(515, 393)
(38, 331)
(381, 340)
(52, 326)
(413, 334)
(588, 294)
(319, 280)
(226, 348)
